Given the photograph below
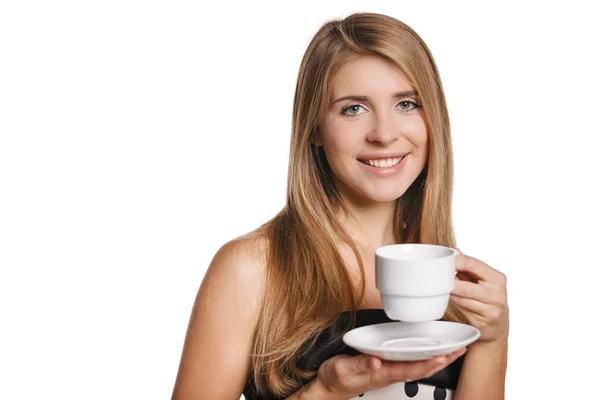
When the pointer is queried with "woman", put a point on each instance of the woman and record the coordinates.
(370, 165)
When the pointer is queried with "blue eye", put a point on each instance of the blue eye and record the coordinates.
(407, 103)
(350, 107)
(414, 105)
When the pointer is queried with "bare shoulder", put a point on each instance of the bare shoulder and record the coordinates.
(249, 249)
(241, 261)
(216, 356)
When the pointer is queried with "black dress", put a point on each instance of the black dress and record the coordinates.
(440, 386)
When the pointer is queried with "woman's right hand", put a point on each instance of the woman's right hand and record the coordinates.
(347, 376)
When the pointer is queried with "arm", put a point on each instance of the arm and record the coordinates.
(216, 354)
(480, 291)
(484, 371)
(343, 377)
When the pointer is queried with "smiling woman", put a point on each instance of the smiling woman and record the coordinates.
(388, 136)
(370, 165)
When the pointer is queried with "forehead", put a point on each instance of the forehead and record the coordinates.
(369, 75)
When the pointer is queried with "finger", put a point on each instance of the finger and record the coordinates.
(397, 371)
(413, 370)
(443, 362)
(449, 360)
(470, 290)
(471, 305)
(465, 276)
(462, 275)
(478, 269)
(485, 293)
(365, 363)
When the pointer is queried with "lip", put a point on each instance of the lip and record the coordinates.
(387, 171)
(380, 156)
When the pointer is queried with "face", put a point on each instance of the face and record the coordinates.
(376, 142)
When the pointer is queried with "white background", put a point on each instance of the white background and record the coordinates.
(138, 137)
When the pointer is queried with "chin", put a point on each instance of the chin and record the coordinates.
(383, 197)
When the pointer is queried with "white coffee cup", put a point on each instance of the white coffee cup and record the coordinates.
(415, 280)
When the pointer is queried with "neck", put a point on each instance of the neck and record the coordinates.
(369, 225)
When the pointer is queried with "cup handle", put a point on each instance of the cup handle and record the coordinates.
(456, 253)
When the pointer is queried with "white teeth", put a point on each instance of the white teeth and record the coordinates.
(384, 163)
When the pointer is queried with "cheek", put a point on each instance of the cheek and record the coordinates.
(337, 154)
(340, 144)
(417, 134)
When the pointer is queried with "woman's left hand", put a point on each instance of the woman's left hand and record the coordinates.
(480, 293)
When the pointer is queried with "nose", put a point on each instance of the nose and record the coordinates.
(385, 131)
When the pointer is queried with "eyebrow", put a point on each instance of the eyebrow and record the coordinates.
(363, 98)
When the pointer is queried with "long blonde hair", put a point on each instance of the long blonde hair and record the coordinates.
(307, 283)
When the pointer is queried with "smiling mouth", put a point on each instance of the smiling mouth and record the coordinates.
(383, 163)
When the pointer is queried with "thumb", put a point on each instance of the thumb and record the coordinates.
(365, 363)
(457, 249)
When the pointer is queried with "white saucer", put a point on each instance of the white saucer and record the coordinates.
(411, 341)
